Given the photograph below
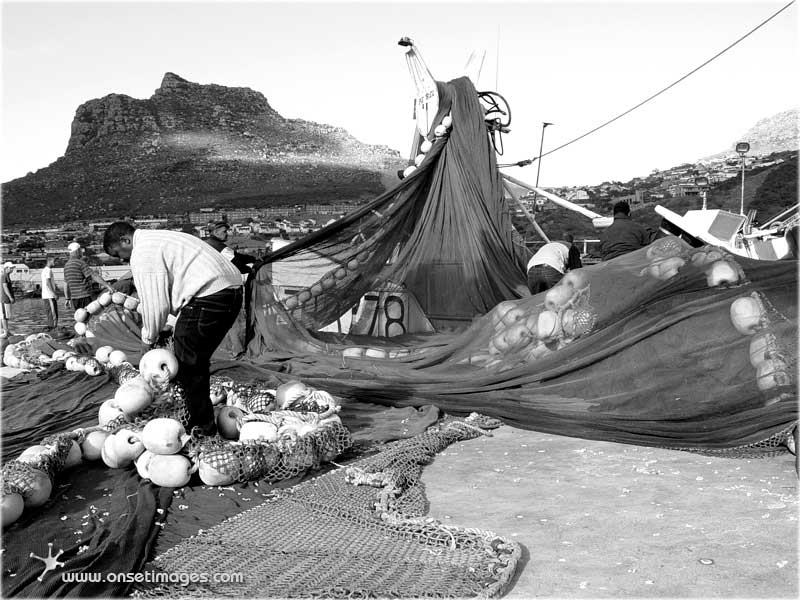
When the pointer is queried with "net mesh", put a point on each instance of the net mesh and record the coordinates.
(357, 531)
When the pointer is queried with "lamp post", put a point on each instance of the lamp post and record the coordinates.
(742, 148)
(702, 183)
(539, 160)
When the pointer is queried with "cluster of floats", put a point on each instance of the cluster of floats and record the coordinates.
(129, 431)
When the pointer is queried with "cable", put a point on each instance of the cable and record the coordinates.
(525, 162)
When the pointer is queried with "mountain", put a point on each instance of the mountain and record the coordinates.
(777, 133)
(190, 146)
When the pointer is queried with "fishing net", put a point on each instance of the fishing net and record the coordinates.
(642, 349)
(354, 532)
(439, 245)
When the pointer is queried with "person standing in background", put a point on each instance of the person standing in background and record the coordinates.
(78, 277)
(6, 299)
(574, 260)
(49, 295)
(624, 235)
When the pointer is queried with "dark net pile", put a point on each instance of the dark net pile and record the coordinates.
(357, 532)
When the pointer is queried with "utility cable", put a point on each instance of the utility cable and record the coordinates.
(529, 161)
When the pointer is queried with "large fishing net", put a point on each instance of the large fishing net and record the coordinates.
(646, 349)
(358, 531)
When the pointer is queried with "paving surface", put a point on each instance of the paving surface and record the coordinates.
(606, 520)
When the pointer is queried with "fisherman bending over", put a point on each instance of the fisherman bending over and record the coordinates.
(178, 273)
(547, 266)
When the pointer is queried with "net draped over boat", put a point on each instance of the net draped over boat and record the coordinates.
(642, 349)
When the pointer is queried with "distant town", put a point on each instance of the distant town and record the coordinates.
(258, 230)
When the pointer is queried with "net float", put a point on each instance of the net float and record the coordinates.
(127, 445)
(39, 491)
(255, 431)
(142, 463)
(93, 444)
(547, 325)
(80, 328)
(747, 315)
(93, 367)
(117, 357)
(71, 363)
(94, 307)
(418, 159)
(210, 475)
(171, 471)
(118, 298)
(104, 299)
(81, 315)
(164, 436)
(109, 411)
(316, 289)
(291, 391)
(328, 282)
(761, 347)
(340, 273)
(353, 264)
(227, 418)
(772, 373)
(102, 354)
(133, 396)
(11, 507)
(59, 354)
(108, 453)
(130, 303)
(721, 272)
(158, 367)
(74, 457)
(425, 146)
(303, 297)
(290, 303)
(440, 130)
(557, 296)
(575, 280)
(409, 170)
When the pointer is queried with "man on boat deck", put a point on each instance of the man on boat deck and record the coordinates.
(624, 235)
(218, 239)
(78, 277)
(178, 273)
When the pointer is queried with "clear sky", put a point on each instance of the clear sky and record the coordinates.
(575, 64)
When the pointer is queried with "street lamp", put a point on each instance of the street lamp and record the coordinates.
(742, 148)
(539, 163)
(702, 183)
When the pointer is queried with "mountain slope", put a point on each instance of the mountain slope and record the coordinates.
(189, 146)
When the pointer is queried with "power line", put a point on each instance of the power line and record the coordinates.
(671, 85)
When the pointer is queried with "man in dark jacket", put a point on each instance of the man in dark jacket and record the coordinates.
(218, 238)
(624, 235)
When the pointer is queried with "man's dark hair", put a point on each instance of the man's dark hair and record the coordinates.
(622, 208)
(569, 238)
(115, 232)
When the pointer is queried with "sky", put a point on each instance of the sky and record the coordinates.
(574, 64)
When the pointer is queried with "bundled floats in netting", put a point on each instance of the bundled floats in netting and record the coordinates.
(357, 531)
(266, 434)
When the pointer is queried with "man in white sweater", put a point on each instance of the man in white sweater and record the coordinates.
(179, 274)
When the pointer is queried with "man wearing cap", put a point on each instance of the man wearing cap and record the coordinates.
(6, 299)
(176, 273)
(218, 239)
(78, 279)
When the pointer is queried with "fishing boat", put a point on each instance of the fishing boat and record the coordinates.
(737, 233)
